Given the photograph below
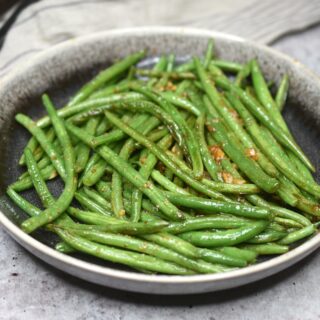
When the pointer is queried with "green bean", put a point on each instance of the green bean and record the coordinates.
(164, 74)
(126, 151)
(207, 159)
(95, 196)
(62, 203)
(247, 165)
(282, 92)
(224, 238)
(83, 152)
(172, 166)
(155, 135)
(23, 204)
(269, 235)
(159, 66)
(227, 66)
(110, 90)
(216, 72)
(141, 106)
(166, 183)
(228, 114)
(99, 222)
(278, 211)
(298, 235)
(97, 167)
(215, 222)
(36, 149)
(214, 206)
(182, 86)
(124, 168)
(174, 243)
(69, 111)
(38, 182)
(181, 102)
(93, 161)
(187, 66)
(267, 248)
(145, 170)
(105, 76)
(134, 244)
(31, 145)
(265, 119)
(243, 253)
(52, 153)
(262, 139)
(171, 61)
(243, 74)
(91, 204)
(209, 53)
(63, 247)
(288, 223)
(297, 164)
(48, 173)
(214, 256)
(190, 139)
(45, 160)
(272, 151)
(265, 96)
(130, 259)
(95, 173)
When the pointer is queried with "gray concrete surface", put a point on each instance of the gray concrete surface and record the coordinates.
(30, 289)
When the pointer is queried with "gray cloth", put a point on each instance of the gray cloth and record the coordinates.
(48, 22)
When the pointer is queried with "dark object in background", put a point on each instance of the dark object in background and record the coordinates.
(6, 5)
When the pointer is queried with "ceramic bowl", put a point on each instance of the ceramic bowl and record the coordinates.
(64, 68)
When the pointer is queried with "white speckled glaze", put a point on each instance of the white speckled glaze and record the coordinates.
(52, 66)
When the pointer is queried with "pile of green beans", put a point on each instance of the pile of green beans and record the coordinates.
(180, 169)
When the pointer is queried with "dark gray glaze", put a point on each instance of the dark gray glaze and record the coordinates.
(62, 70)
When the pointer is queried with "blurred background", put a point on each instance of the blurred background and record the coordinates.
(30, 26)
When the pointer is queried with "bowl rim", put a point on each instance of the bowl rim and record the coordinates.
(293, 255)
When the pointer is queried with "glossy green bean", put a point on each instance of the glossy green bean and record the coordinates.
(63, 202)
(105, 76)
(224, 238)
(39, 134)
(214, 206)
(258, 111)
(298, 235)
(267, 248)
(131, 259)
(190, 141)
(134, 244)
(282, 92)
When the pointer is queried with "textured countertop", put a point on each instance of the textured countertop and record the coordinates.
(31, 289)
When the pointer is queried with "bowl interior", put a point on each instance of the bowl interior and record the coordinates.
(63, 71)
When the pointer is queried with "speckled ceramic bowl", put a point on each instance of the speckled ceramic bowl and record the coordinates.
(62, 69)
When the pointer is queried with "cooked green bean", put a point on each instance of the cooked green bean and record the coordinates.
(190, 139)
(265, 119)
(121, 256)
(224, 238)
(267, 248)
(298, 235)
(215, 206)
(105, 76)
(63, 202)
(282, 92)
(147, 165)
(188, 179)
(51, 151)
